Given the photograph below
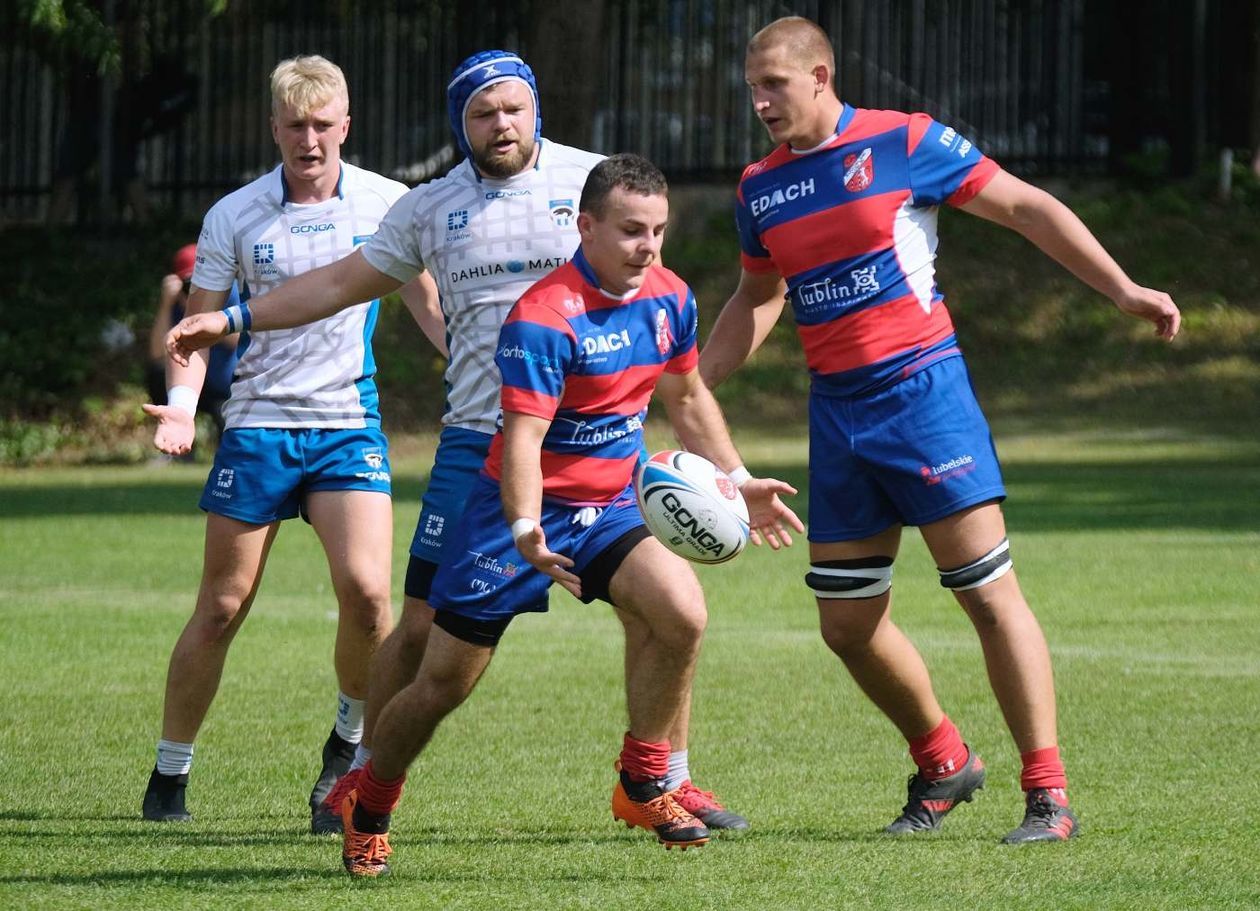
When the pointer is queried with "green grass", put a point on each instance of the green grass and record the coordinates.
(1140, 554)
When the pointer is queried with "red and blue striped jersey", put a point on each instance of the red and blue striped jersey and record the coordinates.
(851, 226)
(588, 361)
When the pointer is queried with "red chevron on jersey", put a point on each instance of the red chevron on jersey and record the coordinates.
(588, 362)
(851, 226)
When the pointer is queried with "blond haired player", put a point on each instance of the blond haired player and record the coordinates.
(303, 431)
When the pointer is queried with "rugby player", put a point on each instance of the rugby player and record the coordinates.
(580, 354)
(303, 431)
(840, 219)
(498, 222)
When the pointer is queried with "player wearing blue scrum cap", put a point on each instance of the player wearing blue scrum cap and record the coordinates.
(477, 238)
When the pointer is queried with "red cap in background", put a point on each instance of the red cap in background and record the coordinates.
(184, 261)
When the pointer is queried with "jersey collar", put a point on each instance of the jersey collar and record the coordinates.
(588, 275)
(846, 117)
(284, 184)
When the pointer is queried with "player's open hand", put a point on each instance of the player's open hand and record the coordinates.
(201, 330)
(175, 429)
(533, 547)
(1153, 306)
(769, 517)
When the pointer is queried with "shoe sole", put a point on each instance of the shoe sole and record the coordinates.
(683, 845)
(365, 873)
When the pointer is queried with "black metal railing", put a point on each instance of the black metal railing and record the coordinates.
(183, 117)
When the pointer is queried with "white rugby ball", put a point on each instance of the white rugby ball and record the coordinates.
(692, 507)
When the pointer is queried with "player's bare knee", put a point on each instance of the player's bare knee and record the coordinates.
(412, 633)
(850, 630)
(852, 597)
(366, 605)
(682, 625)
(219, 610)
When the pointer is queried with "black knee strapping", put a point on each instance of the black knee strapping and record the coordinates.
(868, 577)
(993, 565)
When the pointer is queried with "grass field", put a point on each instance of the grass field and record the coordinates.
(1141, 555)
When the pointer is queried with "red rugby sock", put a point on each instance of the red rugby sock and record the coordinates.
(1044, 769)
(644, 761)
(376, 796)
(940, 752)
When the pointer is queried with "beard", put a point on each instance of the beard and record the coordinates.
(501, 166)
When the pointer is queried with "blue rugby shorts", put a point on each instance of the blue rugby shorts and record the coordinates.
(484, 577)
(262, 474)
(910, 454)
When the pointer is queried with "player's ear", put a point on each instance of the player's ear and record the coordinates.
(822, 78)
(584, 222)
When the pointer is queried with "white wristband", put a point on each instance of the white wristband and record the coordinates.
(522, 527)
(184, 398)
(740, 476)
(239, 318)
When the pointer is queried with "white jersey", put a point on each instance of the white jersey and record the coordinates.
(485, 241)
(318, 375)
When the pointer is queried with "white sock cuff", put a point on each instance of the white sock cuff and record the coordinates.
(174, 758)
(349, 718)
(678, 771)
(361, 756)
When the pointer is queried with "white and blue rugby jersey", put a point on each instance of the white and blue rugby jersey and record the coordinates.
(318, 375)
(485, 241)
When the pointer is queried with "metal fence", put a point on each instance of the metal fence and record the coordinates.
(185, 118)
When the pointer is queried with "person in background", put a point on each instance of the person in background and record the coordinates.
(172, 304)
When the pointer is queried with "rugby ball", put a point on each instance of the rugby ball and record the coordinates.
(692, 507)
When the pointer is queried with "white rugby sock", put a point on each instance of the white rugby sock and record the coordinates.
(349, 718)
(361, 756)
(678, 771)
(174, 758)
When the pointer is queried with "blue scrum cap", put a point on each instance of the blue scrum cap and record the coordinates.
(482, 70)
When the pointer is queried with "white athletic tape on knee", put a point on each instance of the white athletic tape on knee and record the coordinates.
(850, 579)
(989, 568)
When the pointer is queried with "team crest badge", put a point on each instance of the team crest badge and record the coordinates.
(859, 171)
(663, 340)
(561, 212)
(264, 254)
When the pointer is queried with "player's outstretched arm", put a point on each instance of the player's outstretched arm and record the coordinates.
(742, 325)
(701, 428)
(521, 490)
(1061, 235)
(300, 300)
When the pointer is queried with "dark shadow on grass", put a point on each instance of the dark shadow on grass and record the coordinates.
(1178, 492)
(132, 499)
(418, 870)
(1131, 495)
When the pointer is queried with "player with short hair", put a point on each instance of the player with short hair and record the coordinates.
(840, 219)
(303, 428)
(580, 354)
(498, 222)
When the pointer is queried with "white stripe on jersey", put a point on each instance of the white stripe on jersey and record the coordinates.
(485, 241)
(318, 375)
